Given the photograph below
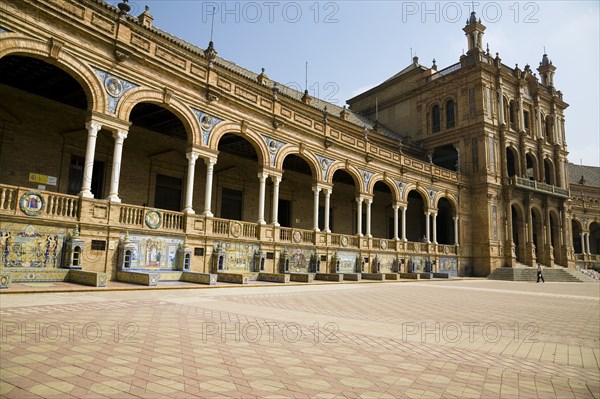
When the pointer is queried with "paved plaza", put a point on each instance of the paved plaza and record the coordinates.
(447, 339)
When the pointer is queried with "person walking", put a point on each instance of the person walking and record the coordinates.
(539, 274)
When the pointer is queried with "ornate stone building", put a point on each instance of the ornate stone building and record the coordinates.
(124, 148)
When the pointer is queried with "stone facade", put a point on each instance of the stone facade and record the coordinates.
(148, 137)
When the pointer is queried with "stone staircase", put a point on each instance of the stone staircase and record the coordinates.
(525, 273)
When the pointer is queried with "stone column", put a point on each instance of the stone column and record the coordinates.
(404, 223)
(369, 201)
(189, 187)
(276, 180)
(538, 113)
(434, 222)
(501, 117)
(88, 167)
(427, 227)
(455, 218)
(210, 166)
(521, 114)
(587, 244)
(327, 192)
(316, 191)
(119, 136)
(395, 207)
(262, 177)
(359, 202)
(582, 236)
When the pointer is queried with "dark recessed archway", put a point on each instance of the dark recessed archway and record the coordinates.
(158, 119)
(38, 77)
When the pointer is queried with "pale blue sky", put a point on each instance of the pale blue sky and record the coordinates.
(351, 46)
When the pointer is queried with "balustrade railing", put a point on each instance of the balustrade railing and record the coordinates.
(131, 215)
(8, 197)
(62, 205)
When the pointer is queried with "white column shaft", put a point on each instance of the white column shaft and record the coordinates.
(119, 137)
(189, 187)
(434, 222)
(403, 223)
(427, 227)
(395, 208)
(88, 167)
(276, 180)
(369, 201)
(316, 190)
(210, 167)
(261, 198)
(456, 230)
(326, 227)
(359, 202)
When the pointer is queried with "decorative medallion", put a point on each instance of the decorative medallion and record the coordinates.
(113, 86)
(383, 244)
(417, 247)
(446, 249)
(344, 241)
(366, 175)
(236, 229)
(207, 124)
(32, 203)
(4, 280)
(325, 165)
(153, 219)
(274, 147)
(297, 237)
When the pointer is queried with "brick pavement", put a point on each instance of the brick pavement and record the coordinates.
(449, 339)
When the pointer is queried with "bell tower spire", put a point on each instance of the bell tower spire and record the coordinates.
(474, 32)
(546, 70)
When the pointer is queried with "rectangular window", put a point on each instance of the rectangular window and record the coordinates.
(472, 105)
(492, 156)
(231, 204)
(322, 218)
(76, 176)
(284, 213)
(167, 194)
(488, 95)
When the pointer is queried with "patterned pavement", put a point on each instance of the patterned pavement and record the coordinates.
(451, 339)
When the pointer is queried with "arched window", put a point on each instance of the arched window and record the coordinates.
(127, 259)
(435, 119)
(450, 115)
(549, 136)
(512, 114)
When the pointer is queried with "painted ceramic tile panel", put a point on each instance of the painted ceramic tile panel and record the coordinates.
(240, 256)
(154, 253)
(299, 259)
(347, 261)
(387, 262)
(27, 245)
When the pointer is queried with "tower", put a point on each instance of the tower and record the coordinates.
(546, 70)
(474, 32)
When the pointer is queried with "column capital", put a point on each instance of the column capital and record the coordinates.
(368, 200)
(93, 127)
(210, 162)
(192, 157)
(120, 135)
(316, 188)
(262, 176)
(275, 179)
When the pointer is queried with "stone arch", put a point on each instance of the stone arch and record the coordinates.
(145, 95)
(549, 170)
(351, 170)
(254, 138)
(16, 44)
(388, 181)
(309, 157)
(450, 105)
(515, 168)
(449, 197)
(413, 187)
(534, 173)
